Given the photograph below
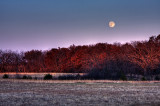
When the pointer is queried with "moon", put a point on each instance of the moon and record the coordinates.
(112, 24)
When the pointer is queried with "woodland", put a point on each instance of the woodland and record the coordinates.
(108, 60)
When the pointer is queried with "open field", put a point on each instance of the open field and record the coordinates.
(79, 93)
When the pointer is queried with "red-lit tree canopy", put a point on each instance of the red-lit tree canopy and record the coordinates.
(135, 57)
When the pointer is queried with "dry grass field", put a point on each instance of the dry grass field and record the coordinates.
(78, 93)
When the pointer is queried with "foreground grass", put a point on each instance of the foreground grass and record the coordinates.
(78, 92)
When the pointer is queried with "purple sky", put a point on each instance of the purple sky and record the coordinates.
(46, 24)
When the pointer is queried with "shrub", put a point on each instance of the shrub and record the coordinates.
(157, 78)
(48, 77)
(26, 77)
(143, 79)
(29, 77)
(5, 76)
(123, 77)
(78, 76)
(35, 78)
(67, 77)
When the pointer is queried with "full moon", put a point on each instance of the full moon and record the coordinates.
(112, 24)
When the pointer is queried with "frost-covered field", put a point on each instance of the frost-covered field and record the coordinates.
(78, 93)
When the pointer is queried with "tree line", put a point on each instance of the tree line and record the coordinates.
(137, 57)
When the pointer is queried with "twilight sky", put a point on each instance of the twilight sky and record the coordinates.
(46, 24)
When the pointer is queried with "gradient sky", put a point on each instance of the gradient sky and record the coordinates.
(46, 24)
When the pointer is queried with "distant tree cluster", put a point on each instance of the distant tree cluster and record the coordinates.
(138, 57)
